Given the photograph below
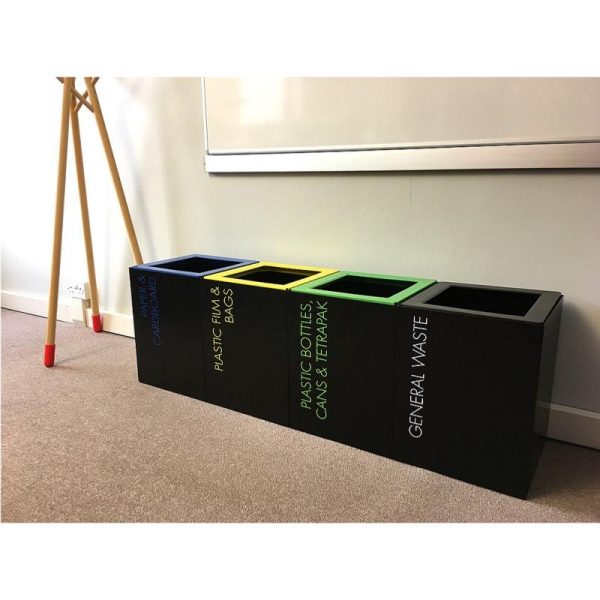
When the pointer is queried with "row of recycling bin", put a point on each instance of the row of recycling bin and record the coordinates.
(451, 377)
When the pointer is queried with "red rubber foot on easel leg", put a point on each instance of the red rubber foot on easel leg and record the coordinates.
(49, 350)
(97, 323)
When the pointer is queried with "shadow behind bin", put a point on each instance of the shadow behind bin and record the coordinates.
(245, 316)
(166, 314)
(475, 366)
(342, 338)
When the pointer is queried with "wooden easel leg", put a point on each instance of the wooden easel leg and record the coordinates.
(85, 218)
(93, 96)
(50, 346)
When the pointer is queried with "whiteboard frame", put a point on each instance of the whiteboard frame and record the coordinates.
(573, 153)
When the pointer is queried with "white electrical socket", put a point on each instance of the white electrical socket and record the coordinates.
(81, 291)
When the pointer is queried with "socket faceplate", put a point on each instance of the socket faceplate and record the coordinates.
(81, 291)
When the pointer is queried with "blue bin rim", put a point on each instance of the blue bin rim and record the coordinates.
(155, 266)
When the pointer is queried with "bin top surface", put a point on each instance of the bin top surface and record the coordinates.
(366, 287)
(194, 265)
(277, 276)
(517, 304)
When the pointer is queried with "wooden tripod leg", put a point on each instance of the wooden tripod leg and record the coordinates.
(113, 170)
(85, 217)
(50, 346)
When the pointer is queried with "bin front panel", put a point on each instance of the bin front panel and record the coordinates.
(168, 337)
(246, 349)
(341, 356)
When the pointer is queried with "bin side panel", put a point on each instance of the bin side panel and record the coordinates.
(168, 335)
(479, 394)
(246, 349)
(341, 356)
(548, 361)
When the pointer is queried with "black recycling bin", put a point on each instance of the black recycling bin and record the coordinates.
(245, 316)
(474, 375)
(342, 339)
(167, 320)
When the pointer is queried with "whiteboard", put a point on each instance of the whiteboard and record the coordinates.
(264, 124)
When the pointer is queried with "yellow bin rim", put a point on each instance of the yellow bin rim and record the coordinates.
(230, 275)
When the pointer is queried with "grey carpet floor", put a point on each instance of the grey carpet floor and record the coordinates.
(86, 442)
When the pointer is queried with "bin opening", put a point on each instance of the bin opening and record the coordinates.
(274, 275)
(486, 300)
(197, 264)
(366, 286)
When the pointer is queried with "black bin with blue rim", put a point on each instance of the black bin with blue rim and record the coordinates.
(166, 302)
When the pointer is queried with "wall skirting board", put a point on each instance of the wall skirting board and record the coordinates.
(567, 423)
(37, 304)
(574, 425)
(34, 304)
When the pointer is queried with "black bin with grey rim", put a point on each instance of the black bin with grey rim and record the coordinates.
(474, 373)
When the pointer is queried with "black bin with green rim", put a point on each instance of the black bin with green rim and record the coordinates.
(342, 338)
(165, 297)
(475, 366)
(244, 313)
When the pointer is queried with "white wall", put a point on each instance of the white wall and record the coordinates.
(523, 229)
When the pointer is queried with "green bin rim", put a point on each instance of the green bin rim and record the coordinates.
(312, 287)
